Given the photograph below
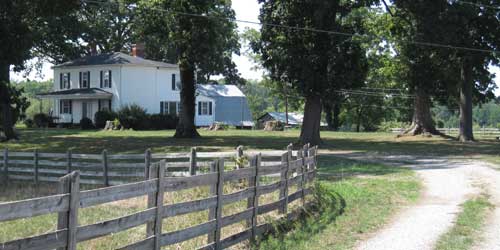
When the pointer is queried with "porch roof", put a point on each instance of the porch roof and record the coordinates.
(88, 93)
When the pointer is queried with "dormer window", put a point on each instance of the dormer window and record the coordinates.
(64, 81)
(85, 80)
(106, 79)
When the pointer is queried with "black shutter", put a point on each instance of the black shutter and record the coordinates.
(98, 105)
(60, 107)
(110, 79)
(210, 108)
(88, 79)
(101, 79)
(199, 108)
(71, 106)
(161, 108)
(173, 81)
(69, 80)
(80, 84)
(60, 80)
(109, 102)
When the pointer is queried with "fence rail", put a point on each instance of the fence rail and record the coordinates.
(114, 169)
(300, 172)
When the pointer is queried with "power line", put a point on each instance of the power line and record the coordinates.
(297, 28)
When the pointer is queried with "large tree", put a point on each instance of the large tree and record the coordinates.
(21, 26)
(314, 63)
(473, 25)
(198, 35)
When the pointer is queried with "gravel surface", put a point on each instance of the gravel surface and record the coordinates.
(446, 185)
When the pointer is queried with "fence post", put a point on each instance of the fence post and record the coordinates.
(306, 154)
(285, 162)
(255, 162)
(251, 184)
(213, 192)
(6, 164)
(192, 162)
(153, 174)
(69, 220)
(239, 155)
(218, 208)
(68, 161)
(159, 205)
(303, 176)
(35, 164)
(147, 163)
(105, 172)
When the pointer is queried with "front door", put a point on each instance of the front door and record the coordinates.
(86, 109)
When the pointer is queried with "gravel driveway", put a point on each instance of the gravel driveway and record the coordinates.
(447, 184)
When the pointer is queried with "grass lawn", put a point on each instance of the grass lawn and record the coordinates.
(60, 140)
(467, 227)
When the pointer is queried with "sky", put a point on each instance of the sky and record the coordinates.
(247, 10)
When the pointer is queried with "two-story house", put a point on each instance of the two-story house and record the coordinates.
(110, 81)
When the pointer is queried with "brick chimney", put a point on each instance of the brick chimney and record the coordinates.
(138, 50)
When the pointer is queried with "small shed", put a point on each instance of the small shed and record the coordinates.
(294, 119)
(231, 105)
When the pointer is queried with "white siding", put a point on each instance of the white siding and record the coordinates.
(204, 120)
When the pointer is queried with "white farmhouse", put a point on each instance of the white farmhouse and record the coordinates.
(110, 81)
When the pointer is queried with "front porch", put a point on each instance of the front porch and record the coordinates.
(72, 105)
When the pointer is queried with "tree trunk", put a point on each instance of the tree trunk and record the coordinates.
(5, 105)
(465, 131)
(312, 121)
(328, 116)
(358, 120)
(186, 127)
(422, 119)
(336, 119)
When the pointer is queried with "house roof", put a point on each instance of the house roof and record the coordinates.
(213, 90)
(116, 58)
(293, 118)
(78, 94)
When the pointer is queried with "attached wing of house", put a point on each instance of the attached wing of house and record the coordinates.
(110, 81)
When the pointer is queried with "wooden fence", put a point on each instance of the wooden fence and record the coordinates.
(114, 169)
(292, 171)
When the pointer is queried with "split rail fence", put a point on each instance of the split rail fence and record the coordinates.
(114, 169)
(296, 171)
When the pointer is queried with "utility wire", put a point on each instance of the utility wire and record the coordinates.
(297, 28)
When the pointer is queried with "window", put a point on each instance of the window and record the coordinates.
(65, 81)
(176, 85)
(204, 108)
(85, 80)
(106, 79)
(65, 107)
(170, 108)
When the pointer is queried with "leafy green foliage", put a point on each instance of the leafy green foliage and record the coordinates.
(132, 117)
(162, 121)
(86, 124)
(41, 120)
(102, 116)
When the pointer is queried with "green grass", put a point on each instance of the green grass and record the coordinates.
(59, 140)
(350, 207)
(466, 230)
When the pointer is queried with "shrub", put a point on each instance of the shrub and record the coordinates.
(132, 117)
(117, 124)
(86, 123)
(101, 117)
(161, 121)
(41, 120)
(29, 123)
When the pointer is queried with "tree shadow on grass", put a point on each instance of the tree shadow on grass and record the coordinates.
(327, 206)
